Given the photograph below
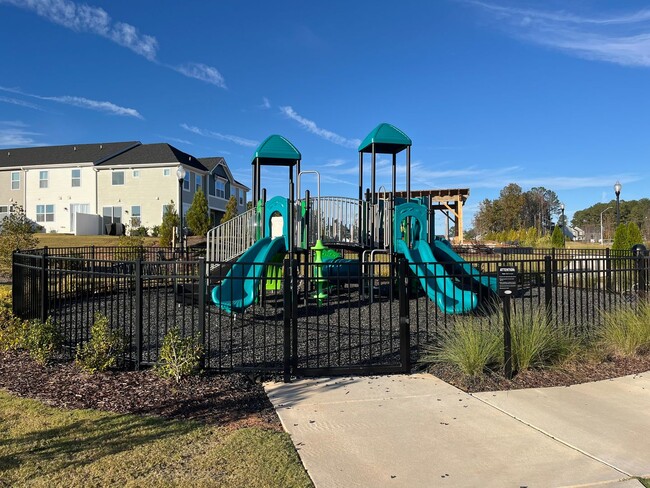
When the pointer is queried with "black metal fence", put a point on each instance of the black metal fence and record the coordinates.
(302, 317)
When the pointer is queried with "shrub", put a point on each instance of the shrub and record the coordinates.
(198, 219)
(128, 247)
(179, 356)
(12, 331)
(231, 210)
(41, 339)
(17, 232)
(626, 332)
(557, 238)
(536, 342)
(141, 231)
(102, 349)
(155, 231)
(468, 346)
(169, 223)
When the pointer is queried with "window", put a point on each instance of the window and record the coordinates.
(15, 180)
(136, 221)
(111, 215)
(4, 209)
(198, 182)
(167, 171)
(118, 177)
(136, 173)
(241, 196)
(45, 213)
(186, 181)
(42, 179)
(76, 177)
(220, 188)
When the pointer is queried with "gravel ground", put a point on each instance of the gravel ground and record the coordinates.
(345, 330)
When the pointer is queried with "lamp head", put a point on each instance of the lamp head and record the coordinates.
(617, 187)
(562, 207)
(180, 172)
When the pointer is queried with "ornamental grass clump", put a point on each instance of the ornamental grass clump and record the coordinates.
(625, 332)
(470, 346)
(536, 342)
(102, 349)
(179, 356)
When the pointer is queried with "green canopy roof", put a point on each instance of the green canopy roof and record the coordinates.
(387, 139)
(277, 150)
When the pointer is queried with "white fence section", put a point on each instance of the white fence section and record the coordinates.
(232, 238)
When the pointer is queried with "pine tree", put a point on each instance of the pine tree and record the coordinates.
(557, 238)
(231, 210)
(633, 234)
(169, 223)
(621, 239)
(198, 219)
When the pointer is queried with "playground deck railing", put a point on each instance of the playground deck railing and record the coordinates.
(230, 239)
(338, 221)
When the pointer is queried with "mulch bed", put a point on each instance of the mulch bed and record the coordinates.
(566, 375)
(232, 400)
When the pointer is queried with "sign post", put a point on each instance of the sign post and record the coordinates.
(507, 285)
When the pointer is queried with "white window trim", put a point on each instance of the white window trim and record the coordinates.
(113, 181)
(220, 180)
(187, 180)
(45, 213)
(72, 178)
(46, 179)
(167, 171)
(12, 180)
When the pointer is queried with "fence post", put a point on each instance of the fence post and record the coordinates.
(202, 295)
(44, 285)
(14, 285)
(404, 319)
(554, 266)
(608, 270)
(548, 285)
(286, 298)
(138, 313)
(507, 338)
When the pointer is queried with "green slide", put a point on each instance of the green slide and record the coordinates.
(459, 267)
(434, 279)
(238, 290)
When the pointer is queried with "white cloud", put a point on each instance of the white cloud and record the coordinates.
(82, 102)
(266, 104)
(622, 39)
(85, 18)
(16, 137)
(222, 137)
(95, 20)
(311, 126)
(202, 72)
(20, 103)
(335, 163)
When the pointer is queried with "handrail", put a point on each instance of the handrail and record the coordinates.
(232, 238)
(336, 220)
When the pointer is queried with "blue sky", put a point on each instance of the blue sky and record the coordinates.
(537, 93)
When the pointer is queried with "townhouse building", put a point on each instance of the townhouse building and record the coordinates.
(84, 188)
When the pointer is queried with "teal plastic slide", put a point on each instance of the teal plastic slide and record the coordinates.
(445, 254)
(434, 279)
(238, 289)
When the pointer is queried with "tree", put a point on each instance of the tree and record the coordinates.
(169, 223)
(621, 241)
(231, 210)
(17, 233)
(633, 234)
(198, 219)
(557, 238)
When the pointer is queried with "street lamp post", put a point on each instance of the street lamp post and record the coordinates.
(180, 174)
(562, 224)
(617, 190)
(602, 242)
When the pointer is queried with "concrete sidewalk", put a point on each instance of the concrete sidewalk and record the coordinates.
(418, 431)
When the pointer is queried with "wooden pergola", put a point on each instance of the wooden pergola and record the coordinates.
(448, 201)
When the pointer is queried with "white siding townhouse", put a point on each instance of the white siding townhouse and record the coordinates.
(84, 188)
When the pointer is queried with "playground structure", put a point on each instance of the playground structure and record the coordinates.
(398, 225)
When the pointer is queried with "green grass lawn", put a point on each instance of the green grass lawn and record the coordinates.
(44, 446)
(68, 240)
